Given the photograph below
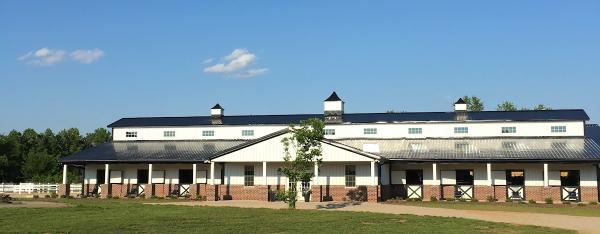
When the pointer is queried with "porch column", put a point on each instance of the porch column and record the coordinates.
(150, 173)
(434, 172)
(106, 174)
(545, 174)
(489, 174)
(64, 181)
(212, 173)
(316, 182)
(194, 173)
(264, 167)
(373, 180)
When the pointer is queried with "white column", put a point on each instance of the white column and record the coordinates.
(264, 167)
(194, 168)
(434, 173)
(316, 182)
(545, 174)
(373, 180)
(64, 174)
(489, 174)
(150, 173)
(212, 173)
(106, 174)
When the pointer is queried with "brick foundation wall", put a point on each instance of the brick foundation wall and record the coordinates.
(118, 190)
(589, 194)
(341, 193)
(235, 192)
(540, 193)
(431, 191)
(64, 190)
(105, 190)
(482, 192)
(500, 193)
(447, 191)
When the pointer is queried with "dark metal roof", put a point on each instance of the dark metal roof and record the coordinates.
(484, 149)
(575, 114)
(217, 107)
(333, 97)
(152, 151)
(460, 101)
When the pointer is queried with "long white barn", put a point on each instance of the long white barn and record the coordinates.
(511, 155)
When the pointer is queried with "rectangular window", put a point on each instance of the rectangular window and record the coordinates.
(558, 129)
(130, 134)
(169, 133)
(464, 177)
(247, 132)
(509, 129)
(329, 131)
(370, 131)
(414, 177)
(415, 131)
(350, 176)
(249, 175)
(461, 130)
(142, 176)
(208, 133)
(186, 176)
(515, 177)
(569, 178)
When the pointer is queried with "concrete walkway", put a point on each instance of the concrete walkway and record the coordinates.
(578, 223)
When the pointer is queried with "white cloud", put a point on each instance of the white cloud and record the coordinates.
(87, 56)
(236, 61)
(43, 57)
(238, 64)
(208, 60)
(252, 72)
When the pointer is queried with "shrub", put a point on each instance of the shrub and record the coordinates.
(142, 196)
(531, 201)
(36, 196)
(566, 202)
(508, 200)
(201, 198)
(63, 196)
(581, 204)
(115, 197)
(172, 197)
(130, 196)
(593, 203)
(47, 196)
(153, 197)
(109, 196)
(474, 200)
(53, 195)
(549, 200)
(160, 198)
(450, 199)
(414, 199)
(491, 198)
(462, 200)
(433, 199)
(5, 198)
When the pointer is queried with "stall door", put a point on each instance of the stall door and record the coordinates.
(414, 184)
(186, 177)
(464, 184)
(569, 185)
(515, 184)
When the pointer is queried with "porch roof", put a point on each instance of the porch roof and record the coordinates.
(485, 149)
(152, 151)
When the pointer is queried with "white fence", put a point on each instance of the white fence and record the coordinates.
(30, 188)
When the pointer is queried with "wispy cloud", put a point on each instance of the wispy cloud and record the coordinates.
(87, 56)
(46, 56)
(237, 63)
(207, 61)
(43, 57)
(252, 73)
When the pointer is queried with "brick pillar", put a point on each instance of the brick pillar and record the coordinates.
(64, 190)
(589, 194)
(212, 192)
(194, 190)
(431, 191)
(481, 192)
(149, 190)
(500, 192)
(373, 193)
(105, 190)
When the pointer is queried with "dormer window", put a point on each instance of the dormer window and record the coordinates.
(461, 130)
(208, 133)
(370, 131)
(329, 131)
(130, 134)
(415, 131)
(169, 133)
(509, 129)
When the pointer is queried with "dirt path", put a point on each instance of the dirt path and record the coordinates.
(578, 223)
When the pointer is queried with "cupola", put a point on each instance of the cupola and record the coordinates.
(216, 114)
(333, 109)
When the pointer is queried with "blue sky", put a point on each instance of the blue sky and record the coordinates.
(68, 64)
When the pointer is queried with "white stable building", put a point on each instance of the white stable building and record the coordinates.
(508, 155)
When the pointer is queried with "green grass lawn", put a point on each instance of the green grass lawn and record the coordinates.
(98, 215)
(572, 209)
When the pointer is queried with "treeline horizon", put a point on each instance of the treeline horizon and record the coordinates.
(29, 156)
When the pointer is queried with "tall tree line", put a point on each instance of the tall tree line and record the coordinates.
(30, 156)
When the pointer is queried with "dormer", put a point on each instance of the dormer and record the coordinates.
(333, 109)
(216, 114)
(460, 110)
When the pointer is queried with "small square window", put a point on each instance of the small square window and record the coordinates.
(169, 133)
(208, 133)
(415, 130)
(509, 129)
(370, 131)
(329, 131)
(130, 134)
(247, 132)
(461, 130)
(556, 129)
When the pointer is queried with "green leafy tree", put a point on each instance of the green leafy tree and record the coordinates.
(474, 103)
(506, 106)
(40, 167)
(99, 136)
(302, 150)
(542, 107)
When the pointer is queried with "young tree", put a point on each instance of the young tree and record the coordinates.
(542, 107)
(506, 106)
(99, 136)
(473, 103)
(302, 150)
